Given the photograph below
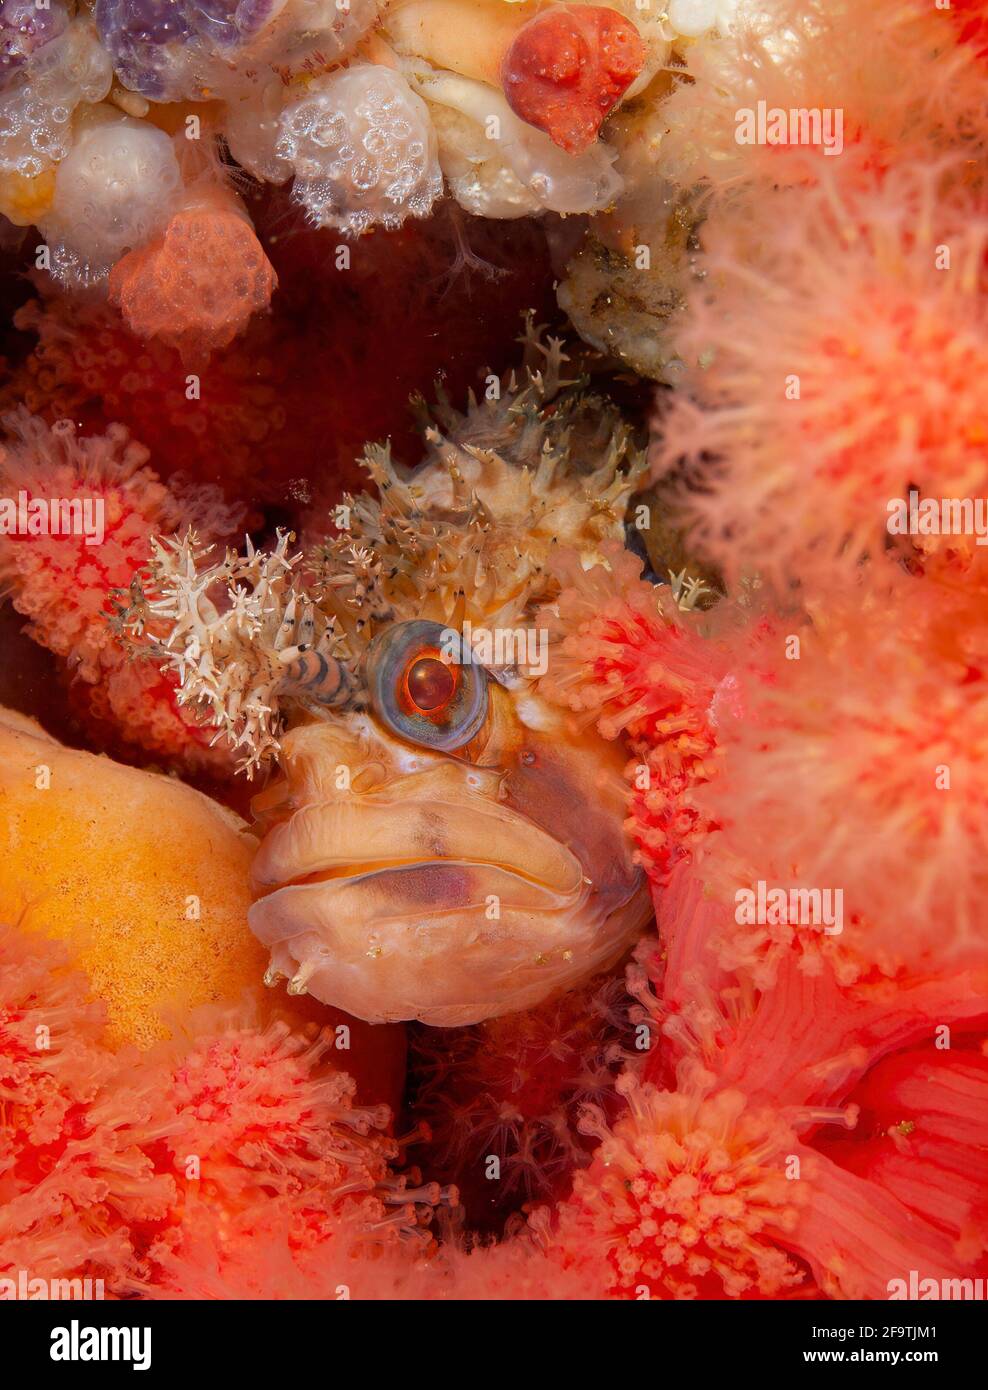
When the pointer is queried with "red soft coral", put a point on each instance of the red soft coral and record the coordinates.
(74, 1172)
(63, 582)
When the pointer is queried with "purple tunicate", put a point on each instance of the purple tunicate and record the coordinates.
(24, 29)
(229, 23)
(145, 39)
(164, 49)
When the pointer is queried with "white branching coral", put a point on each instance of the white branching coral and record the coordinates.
(241, 637)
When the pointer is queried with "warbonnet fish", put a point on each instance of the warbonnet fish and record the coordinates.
(441, 843)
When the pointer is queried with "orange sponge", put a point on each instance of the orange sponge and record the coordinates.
(196, 285)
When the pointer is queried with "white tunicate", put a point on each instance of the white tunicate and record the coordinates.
(331, 28)
(476, 172)
(253, 128)
(302, 38)
(492, 190)
(693, 18)
(113, 192)
(560, 182)
(36, 108)
(363, 150)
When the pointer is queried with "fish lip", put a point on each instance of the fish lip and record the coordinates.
(355, 869)
(397, 866)
(440, 911)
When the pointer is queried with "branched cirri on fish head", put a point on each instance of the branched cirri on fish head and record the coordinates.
(441, 843)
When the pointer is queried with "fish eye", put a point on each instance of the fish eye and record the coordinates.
(430, 684)
(421, 689)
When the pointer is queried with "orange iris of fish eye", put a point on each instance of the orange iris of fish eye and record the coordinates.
(429, 684)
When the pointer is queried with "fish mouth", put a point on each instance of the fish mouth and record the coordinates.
(441, 890)
(339, 842)
(449, 910)
(491, 868)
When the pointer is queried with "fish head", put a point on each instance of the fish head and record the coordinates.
(451, 853)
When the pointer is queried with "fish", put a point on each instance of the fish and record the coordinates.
(439, 842)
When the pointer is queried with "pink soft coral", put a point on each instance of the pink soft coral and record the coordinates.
(219, 1265)
(138, 1168)
(904, 77)
(628, 657)
(624, 655)
(687, 1197)
(63, 583)
(834, 351)
(259, 1118)
(887, 729)
(720, 1177)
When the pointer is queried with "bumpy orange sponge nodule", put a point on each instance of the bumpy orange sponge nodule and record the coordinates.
(195, 286)
(568, 67)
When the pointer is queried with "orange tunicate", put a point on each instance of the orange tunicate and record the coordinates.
(25, 198)
(568, 67)
(195, 286)
(156, 917)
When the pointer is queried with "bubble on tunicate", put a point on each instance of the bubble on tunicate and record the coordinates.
(73, 270)
(363, 149)
(36, 105)
(114, 191)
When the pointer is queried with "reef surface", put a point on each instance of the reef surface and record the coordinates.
(493, 643)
